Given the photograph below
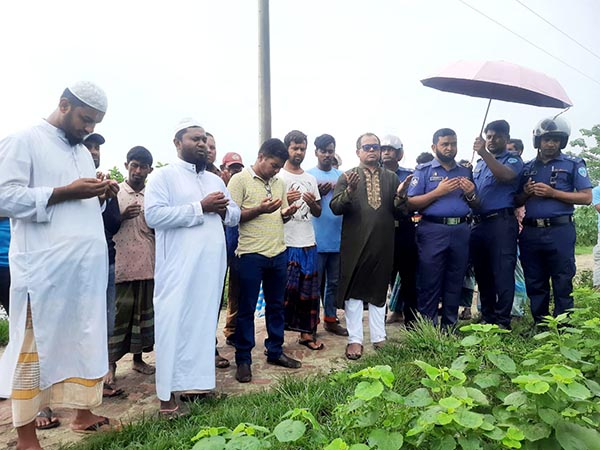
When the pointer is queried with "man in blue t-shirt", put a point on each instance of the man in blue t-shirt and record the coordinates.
(328, 230)
(596, 203)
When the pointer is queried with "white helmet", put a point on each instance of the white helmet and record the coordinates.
(389, 140)
(552, 127)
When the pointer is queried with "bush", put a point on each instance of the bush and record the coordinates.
(3, 332)
(586, 225)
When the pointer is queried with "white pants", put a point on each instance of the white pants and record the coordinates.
(596, 254)
(354, 321)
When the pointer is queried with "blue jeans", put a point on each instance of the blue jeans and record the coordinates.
(254, 268)
(329, 270)
(111, 294)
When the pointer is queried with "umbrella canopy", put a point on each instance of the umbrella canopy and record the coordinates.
(500, 80)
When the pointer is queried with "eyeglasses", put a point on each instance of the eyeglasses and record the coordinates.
(268, 189)
(371, 147)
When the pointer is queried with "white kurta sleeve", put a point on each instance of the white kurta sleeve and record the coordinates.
(233, 213)
(17, 199)
(160, 214)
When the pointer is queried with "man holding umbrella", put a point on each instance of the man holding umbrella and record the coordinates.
(495, 228)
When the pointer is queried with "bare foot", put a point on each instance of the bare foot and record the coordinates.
(142, 367)
(86, 421)
(111, 376)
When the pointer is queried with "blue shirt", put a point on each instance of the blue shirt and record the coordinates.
(596, 201)
(426, 178)
(4, 240)
(565, 173)
(494, 195)
(328, 226)
(403, 173)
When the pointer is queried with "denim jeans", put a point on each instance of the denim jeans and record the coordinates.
(329, 270)
(254, 268)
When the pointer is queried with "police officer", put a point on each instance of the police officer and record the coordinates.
(551, 184)
(442, 191)
(405, 246)
(495, 229)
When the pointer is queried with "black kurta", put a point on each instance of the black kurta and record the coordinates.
(367, 248)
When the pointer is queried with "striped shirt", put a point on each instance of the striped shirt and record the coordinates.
(264, 233)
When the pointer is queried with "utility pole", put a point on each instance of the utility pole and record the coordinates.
(264, 72)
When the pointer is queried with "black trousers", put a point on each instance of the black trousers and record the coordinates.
(4, 287)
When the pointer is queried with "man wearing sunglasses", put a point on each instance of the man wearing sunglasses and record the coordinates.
(369, 199)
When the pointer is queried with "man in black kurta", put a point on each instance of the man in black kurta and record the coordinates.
(367, 197)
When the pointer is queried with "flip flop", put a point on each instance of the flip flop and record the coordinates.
(109, 391)
(171, 414)
(221, 363)
(145, 369)
(104, 424)
(353, 356)
(307, 342)
(46, 413)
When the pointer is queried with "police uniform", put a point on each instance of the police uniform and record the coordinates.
(494, 235)
(405, 260)
(547, 241)
(442, 242)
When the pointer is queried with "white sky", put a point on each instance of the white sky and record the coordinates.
(341, 67)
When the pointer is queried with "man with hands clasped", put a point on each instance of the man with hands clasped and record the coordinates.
(443, 192)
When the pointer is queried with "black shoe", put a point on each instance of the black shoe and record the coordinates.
(335, 328)
(243, 373)
(285, 361)
(229, 341)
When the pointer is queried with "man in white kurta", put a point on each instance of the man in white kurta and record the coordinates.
(187, 207)
(57, 354)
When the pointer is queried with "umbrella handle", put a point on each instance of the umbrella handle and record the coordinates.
(482, 127)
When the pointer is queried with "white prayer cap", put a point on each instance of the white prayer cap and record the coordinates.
(90, 94)
(186, 122)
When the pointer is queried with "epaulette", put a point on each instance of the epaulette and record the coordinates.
(423, 165)
(467, 164)
(407, 169)
(575, 159)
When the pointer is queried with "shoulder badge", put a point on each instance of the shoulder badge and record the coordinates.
(512, 160)
(414, 181)
(582, 171)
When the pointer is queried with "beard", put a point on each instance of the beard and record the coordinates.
(72, 139)
(443, 158)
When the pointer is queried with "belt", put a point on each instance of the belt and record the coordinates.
(504, 212)
(445, 220)
(547, 222)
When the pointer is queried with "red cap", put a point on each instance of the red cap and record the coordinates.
(232, 158)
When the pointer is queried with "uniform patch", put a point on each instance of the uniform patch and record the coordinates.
(414, 181)
(436, 178)
(582, 171)
(512, 160)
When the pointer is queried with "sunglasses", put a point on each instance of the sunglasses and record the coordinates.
(371, 147)
(268, 189)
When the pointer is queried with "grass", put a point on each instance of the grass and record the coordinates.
(3, 332)
(584, 249)
(319, 394)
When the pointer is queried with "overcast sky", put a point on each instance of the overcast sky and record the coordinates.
(337, 66)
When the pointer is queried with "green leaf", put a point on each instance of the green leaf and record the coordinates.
(529, 362)
(570, 353)
(497, 434)
(515, 434)
(393, 397)
(469, 443)
(444, 418)
(464, 361)
(359, 447)
(502, 362)
(468, 419)
(450, 403)
(544, 335)
(478, 396)
(246, 443)
(486, 380)
(575, 437)
(510, 443)
(210, 443)
(385, 440)
(549, 416)
(418, 398)
(593, 386)
(367, 390)
(367, 419)
(445, 443)
(535, 431)
(432, 372)
(459, 375)
(337, 444)
(289, 430)
(576, 390)
(563, 373)
(470, 340)
(537, 387)
(517, 398)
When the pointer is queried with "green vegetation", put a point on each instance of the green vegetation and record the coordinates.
(584, 250)
(484, 388)
(3, 332)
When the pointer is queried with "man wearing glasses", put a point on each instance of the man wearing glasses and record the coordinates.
(369, 199)
(262, 255)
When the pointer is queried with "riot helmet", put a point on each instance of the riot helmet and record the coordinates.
(551, 127)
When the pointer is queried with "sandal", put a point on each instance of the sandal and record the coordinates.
(144, 368)
(353, 356)
(104, 424)
(221, 363)
(171, 414)
(308, 342)
(109, 391)
(46, 413)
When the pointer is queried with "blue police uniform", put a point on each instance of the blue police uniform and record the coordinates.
(405, 260)
(442, 242)
(547, 241)
(494, 239)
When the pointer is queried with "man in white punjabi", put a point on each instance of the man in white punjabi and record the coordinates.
(187, 207)
(57, 354)
(368, 197)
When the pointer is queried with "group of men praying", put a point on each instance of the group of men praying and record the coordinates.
(99, 269)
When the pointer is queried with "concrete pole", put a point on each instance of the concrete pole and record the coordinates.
(264, 72)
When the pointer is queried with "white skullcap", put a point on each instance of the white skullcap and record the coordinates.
(186, 122)
(90, 94)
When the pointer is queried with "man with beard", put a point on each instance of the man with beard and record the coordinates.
(367, 198)
(442, 192)
(57, 353)
(405, 245)
(495, 229)
(551, 184)
(303, 288)
(187, 206)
